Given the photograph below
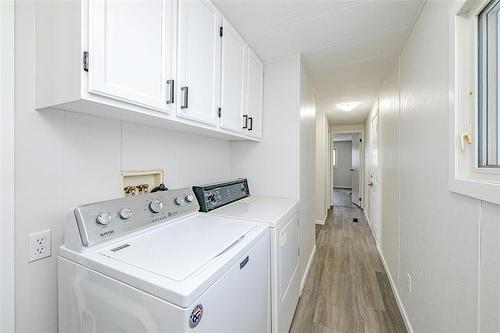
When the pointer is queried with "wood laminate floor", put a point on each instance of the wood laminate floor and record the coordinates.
(347, 290)
(342, 197)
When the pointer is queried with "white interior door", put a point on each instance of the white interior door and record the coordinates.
(198, 61)
(232, 79)
(373, 181)
(130, 50)
(255, 79)
(355, 169)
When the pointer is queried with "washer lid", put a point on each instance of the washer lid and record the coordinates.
(259, 209)
(178, 250)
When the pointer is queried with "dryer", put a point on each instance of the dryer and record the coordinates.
(152, 263)
(232, 199)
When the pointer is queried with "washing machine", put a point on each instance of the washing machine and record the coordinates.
(232, 199)
(153, 263)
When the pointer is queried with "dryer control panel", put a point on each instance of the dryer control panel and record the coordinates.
(215, 195)
(101, 221)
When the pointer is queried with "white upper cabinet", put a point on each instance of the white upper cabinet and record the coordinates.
(164, 63)
(233, 70)
(198, 61)
(254, 88)
(130, 51)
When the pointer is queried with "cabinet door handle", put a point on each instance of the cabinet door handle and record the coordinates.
(171, 84)
(251, 123)
(185, 90)
(245, 116)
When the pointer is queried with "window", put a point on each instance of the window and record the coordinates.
(334, 157)
(488, 84)
(475, 82)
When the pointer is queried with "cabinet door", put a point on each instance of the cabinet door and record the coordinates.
(232, 79)
(255, 78)
(198, 61)
(131, 50)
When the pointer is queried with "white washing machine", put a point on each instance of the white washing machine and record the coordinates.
(152, 263)
(232, 199)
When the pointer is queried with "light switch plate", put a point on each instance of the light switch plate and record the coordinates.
(39, 245)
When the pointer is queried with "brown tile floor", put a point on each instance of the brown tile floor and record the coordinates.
(347, 289)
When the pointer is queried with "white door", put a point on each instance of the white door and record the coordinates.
(373, 181)
(198, 61)
(232, 79)
(355, 169)
(255, 76)
(131, 51)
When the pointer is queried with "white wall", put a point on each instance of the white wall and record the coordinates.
(272, 166)
(342, 171)
(307, 171)
(321, 172)
(64, 159)
(388, 110)
(448, 243)
(7, 166)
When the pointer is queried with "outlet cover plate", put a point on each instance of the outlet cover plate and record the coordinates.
(39, 245)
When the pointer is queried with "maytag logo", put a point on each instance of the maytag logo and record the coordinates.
(106, 233)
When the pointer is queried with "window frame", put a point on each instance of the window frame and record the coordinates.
(466, 176)
(483, 84)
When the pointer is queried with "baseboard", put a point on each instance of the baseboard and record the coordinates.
(406, 319)
(368, 220)
(323, 221)
(308, 268)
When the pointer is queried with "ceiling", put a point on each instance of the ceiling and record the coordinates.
(347, 46)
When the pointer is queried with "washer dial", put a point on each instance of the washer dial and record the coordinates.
(125, 213)
(179, 201)
(156, 206)
(104, 219)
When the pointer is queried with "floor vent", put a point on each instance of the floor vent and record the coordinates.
(355, 220)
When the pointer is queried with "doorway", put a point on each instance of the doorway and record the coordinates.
(347, 168)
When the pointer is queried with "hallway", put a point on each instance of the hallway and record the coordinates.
(342, 198)
(347, 289)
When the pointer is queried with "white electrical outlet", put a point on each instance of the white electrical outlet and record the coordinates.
(39, 245)
(408, 283)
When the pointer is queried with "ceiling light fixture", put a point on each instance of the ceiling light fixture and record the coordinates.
(348, 106)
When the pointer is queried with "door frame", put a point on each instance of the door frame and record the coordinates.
(7, 318)
(361, 132)
(375, 208)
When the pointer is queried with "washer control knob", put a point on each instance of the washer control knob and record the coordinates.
(179, 201)
(189, 198)
(104, 219)
(156, 206)
(125, 213)
(212, 199)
